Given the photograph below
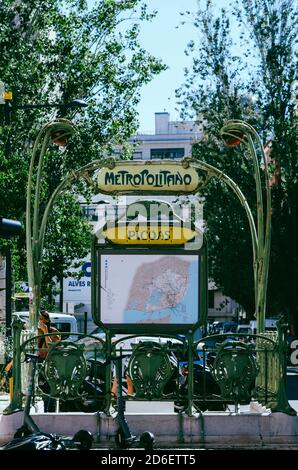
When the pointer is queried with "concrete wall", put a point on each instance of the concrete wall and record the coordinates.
(275, 430)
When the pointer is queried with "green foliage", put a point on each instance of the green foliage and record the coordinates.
(245, 67)
(6, 344)
(54, 52)
(74, 233)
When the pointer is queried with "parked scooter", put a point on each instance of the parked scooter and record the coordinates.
(206, 390)
(124, 439)
(29, 436)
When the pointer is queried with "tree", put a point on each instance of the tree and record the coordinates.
(53, 52)
(255, 84)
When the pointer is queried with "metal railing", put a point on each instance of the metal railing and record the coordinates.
(212, 373)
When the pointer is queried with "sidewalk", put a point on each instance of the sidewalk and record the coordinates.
(4, 401)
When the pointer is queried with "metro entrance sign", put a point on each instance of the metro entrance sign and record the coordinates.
(149, 265)
(164, 176)
(149, 273)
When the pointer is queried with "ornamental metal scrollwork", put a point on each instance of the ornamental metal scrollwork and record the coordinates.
(150, 368)
(235, 370)
(65, 369)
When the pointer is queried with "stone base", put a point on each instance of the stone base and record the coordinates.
(149, 407)
(245, 431)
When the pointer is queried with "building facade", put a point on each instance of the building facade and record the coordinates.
(171, 139)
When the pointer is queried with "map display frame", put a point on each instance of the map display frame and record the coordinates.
(141, 290)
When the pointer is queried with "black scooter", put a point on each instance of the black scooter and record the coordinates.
(29, 436)
(124, 439)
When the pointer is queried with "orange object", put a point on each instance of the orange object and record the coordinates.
(8, 366)
(10, 381)
(130, 387)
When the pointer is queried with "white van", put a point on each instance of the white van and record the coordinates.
(64, 323)
(270, 325)
(244, 329)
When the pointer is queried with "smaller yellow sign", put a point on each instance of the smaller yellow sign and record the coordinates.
(137, 234)
(8, 95)
(19, 295)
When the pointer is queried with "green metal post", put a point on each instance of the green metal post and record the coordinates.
(190, 387)
(94, 262)
(282, 403)
(204, 285)
(34, 237)
(16, 401)
(108, 384)
(243, 132)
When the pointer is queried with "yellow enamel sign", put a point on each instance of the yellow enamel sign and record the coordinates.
(148, 177)
(137, 234)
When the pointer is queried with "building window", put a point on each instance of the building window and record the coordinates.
(167, 153)
(90, 213)
(137, 156)
(211, 298)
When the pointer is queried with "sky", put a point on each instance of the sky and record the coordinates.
(161, 38)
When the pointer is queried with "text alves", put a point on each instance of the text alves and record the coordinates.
(79, 283)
